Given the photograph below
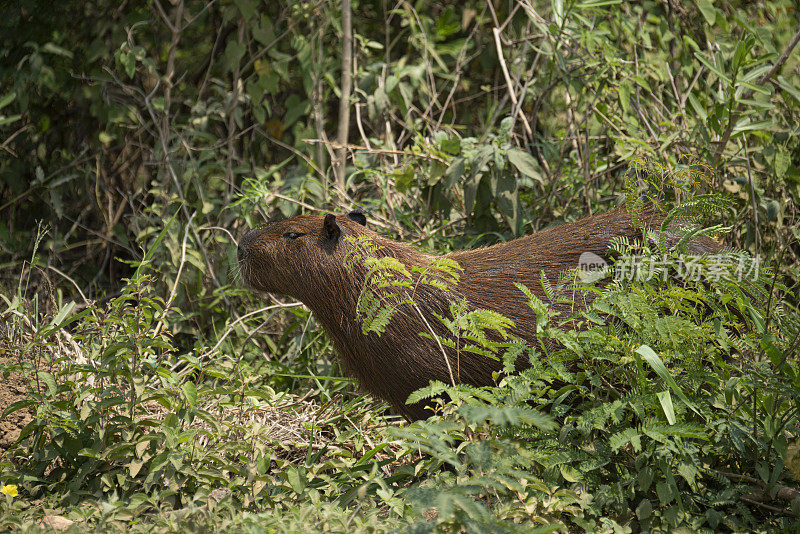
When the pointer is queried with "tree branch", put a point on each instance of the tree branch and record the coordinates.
(231, 114)
(764, 78)
(344, 102)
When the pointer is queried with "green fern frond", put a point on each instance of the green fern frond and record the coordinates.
(507, 416)
(628, 436)
(547, 288)
(680, 430)
(442, 273)
(434, 389)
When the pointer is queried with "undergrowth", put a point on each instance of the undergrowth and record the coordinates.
(139, 140)
(672, 402)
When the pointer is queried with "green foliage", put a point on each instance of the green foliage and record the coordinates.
(147, 136)
(652, 416)
(486, 172)
(153, 432)
(389, 284)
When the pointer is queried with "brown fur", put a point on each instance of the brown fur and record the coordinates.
(311, 268)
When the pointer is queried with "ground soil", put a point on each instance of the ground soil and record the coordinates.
(12, 389)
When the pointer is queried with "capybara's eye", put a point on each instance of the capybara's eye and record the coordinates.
(293, 235)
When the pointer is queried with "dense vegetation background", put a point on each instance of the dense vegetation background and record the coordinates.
(140, 139)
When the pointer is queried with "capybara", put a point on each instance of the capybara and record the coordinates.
(311, 258)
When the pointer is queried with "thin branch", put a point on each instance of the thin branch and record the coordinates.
(344, 102)
(511, 94)
(67, 277)
(348, 146)
(231, 148)
(747, 94)
(165, 18)
(231, 326)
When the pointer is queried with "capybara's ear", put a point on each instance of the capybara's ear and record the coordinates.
(330, 229)
(358, 216)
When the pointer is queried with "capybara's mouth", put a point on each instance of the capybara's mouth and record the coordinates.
(250, 276)
(244, 272)
(243, 254)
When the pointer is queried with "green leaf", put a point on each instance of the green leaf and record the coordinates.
(743, 48)
(190, 393)
(658, 366)
(504, 190)
(708, 10)
(471, 190)
(785, 84)
(371, 454)
(246, 7)
(128, 61)
(141, 447)
(455, 172)
(624, 92)
(569, 473)
(666, 404)
(9, 119)
(134, 466)
(16, 406)
(699, 109)
(782, 161)
(295, 108)
(155, 245)
(159, 103)
(297, 479)
(745, 125)
(710, 66)
(57, 50)
(6, 100)
(431, 390)
(644, 510)
(525, 163)
(508, 416)
(263, 32)
(629, 435)
(451, 146)
(234, 53)
(665, 493)
(62, 314)
(48, 379)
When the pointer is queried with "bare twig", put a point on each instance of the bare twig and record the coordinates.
(439, 343)
(511, 94)
(175, 31)
(344, 101)
(753, 200)
(747, 94)
(174, 290)
(784, 493)
(81, 158)
(231, 112)
(292, 149)
(239, 320)
(74, 283)
(460, 62)
(361, 127)
(338, 146)
(318, 100)
(5, 147)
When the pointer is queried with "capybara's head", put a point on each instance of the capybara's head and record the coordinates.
(294, 256)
